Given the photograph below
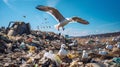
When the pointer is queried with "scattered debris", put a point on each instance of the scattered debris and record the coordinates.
(22, 47)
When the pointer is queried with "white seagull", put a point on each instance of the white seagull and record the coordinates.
(118, 45)
(85, 54)
(59, 17)
(63, 52)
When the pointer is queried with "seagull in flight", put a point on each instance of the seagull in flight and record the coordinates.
(60, 18)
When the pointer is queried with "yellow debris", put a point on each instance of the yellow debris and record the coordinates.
(32, 49)
(74, 64)
(58, 60)
(71, 56)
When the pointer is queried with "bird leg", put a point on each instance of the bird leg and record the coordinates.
(63, 28)
(58, 29)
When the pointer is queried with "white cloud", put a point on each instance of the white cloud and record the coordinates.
(7, 2)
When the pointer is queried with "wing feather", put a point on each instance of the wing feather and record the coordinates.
(51, 10)
(80, 20)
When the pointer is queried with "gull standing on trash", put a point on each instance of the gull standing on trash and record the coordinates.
(59, 17)
(84, 58)
(85, 54)
(118, 45)
(63, 52)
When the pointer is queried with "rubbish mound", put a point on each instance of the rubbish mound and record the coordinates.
(18, 28)
(22, 47)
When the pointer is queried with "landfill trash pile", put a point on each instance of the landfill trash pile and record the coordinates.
(18, 28)
(22, 47)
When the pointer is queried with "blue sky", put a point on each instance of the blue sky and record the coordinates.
(103, 15)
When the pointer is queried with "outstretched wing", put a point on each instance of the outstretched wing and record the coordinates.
(51, 10)
(80, 20)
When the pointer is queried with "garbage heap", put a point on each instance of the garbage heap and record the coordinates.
(18, 42)
(18, 28)
(22, 47)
